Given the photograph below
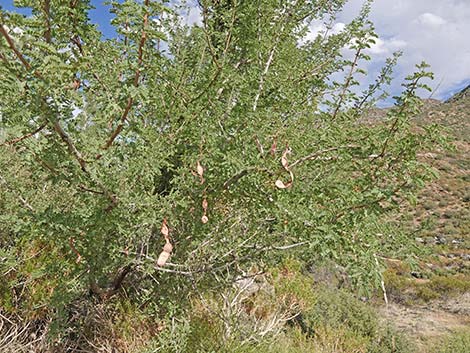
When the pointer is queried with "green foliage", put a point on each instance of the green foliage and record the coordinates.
(339, 311)
(455, 343)
(232, 134)
(402, 287)
(339, 323)
(291, 284)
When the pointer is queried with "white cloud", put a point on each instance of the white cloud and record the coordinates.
(430, 19)
(386, 47)
(319, 28)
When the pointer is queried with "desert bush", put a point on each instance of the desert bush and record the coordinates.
(174, 158)
(329, 321)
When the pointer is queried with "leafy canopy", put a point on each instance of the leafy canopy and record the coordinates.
(221, 146)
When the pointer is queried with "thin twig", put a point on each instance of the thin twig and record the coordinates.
(316, 154)
(347, 83)
(130, 100)
(12, 46)
(24, 137)
(266, 67)
(382, 283)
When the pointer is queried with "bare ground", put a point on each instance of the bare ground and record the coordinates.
(428, 323)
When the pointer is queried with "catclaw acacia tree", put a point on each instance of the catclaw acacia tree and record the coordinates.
(219, 146)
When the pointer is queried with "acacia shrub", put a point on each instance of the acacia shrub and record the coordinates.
(220, 146)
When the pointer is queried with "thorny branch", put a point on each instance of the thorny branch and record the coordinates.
(347, 83)
(130, 100)
(12, 46)
(24, 137)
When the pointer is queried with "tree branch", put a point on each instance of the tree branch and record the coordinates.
(71, 146)
(24, 137)
(47, 15)
(347, 83)
(113, 287)
(56, 125)
(130, 101)
(12, 46)
(266, 69)
(394, 127)
(316, 154)
(232, 180)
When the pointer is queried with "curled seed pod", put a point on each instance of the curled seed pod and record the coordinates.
(168, 248)
(200, 172)
(280, 184)
(204, 219)
(164, 230)
(163, 258)
(284, 161)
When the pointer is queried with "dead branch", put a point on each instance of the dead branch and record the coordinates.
(113, 287)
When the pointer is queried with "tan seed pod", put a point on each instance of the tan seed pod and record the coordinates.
(280, 184)
(291, 177)
(164, 230)
(284, 161)
(204, 219)
(168, 248)
(273, 148)
(200, 169)
(163, 258)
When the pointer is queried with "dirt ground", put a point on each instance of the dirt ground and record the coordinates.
(429, 323)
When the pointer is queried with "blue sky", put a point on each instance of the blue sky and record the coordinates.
(99, 15)
(432, 30)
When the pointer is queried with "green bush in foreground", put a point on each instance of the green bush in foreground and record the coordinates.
(455, 343)
(338, 322)
(223, 146)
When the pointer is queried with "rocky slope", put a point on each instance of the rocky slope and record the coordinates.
(432, 299)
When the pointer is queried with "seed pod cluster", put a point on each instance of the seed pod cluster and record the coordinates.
(285, 164)
(205, 204)
(167, 248)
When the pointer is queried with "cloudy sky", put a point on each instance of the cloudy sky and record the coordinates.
(437, 31)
